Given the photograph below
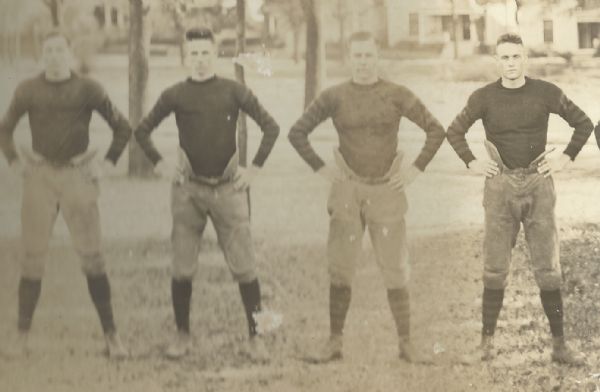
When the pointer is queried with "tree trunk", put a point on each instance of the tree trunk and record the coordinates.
(480, 28)
(181, 45)
(342, 30)
(517, 8)
(314, 51)
(37, 45)
(296, 54)
(18, 44)
(342, 41)
(266, 33)
(139, 164)
(239, 75)
(55, 12)
(455, 34)
(4, 55)
(8, 45)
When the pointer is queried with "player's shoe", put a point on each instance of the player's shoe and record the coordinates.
(487, 348)
(180, 346)
(562, 353)
(409, 353)
(257, 351)
(17, 347)
(329, 352)
(114, 346)
(485, 352)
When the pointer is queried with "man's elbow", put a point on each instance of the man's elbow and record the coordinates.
(292, 135)
(589, 125)
(139, 135)
(275, 131)
(296, 137)
(440, 133)
(127, 132)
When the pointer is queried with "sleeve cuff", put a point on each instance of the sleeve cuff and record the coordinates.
(468, 158)
(420, 164)
(571, 152)
(112, 156)
(317, 165)
(258, 162)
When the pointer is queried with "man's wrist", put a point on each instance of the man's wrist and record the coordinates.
(417, 169)
(565, 160)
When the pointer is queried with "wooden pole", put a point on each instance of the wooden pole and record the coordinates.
(139, 164)
(240, 77)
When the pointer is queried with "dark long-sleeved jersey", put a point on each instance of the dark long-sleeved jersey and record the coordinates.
(367, 118)
(516, 121)
(59, 117)
(206, 114)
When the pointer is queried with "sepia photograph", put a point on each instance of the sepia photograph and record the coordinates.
(299, 195)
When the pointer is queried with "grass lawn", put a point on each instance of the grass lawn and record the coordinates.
(290, 228)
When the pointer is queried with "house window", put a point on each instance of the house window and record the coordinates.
(466, 27)
(588, 32)
(463, 26)
(114, 16)
(99, 15)
(548, 32)
(447, 24)
(413, 25)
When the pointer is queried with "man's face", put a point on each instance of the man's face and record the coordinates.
(363, 60)
(200, 57)
(511, 60)
(56, 55)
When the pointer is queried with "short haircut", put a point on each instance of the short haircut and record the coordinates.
(361, 36)
(510, 38)
(200, 33)
(56, 33)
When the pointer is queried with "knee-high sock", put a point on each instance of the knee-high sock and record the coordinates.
(250, 293)
(490, 309)
(553, 307)
(29, 293)
(399, 300)
(339, 302)
(99, 288)
(181, 295)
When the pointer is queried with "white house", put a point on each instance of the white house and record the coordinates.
(427, 22)
(563, 27)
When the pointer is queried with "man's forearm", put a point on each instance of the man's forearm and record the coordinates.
(581, 123)
(579, 138)
(435, 138)
(299, 140)
(142, 136)
(270, 135)
(458, 141)
(7, 145)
